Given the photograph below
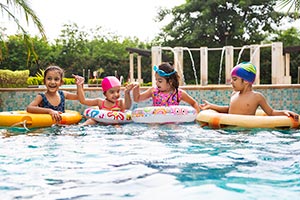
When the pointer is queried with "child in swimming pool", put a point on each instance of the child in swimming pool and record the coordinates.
(53, 100)
(111, 90)
(167, 91)
(244, 100)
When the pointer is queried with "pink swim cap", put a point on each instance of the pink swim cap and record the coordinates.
(110, 82)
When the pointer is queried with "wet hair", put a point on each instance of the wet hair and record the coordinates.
(173, 79)
(54, 68)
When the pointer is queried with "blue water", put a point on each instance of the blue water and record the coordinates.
(136, 161)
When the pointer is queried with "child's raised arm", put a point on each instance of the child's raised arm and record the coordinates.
(127, 98)
(137, 96)
(80, 92)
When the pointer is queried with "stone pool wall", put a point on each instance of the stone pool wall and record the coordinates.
(278, 96)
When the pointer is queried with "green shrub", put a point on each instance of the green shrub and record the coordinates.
(13, 79)
(147, 84)
(35, 81)
(69, 81)
(95, 81)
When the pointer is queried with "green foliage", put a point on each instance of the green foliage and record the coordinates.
(147, 84)
(13, 9)
(35, 81)
(13, 79)
(217, 23)
(95, 81)
(212, 23)
(40, 74)
(38, 79)
(69, 81)
(290, 37)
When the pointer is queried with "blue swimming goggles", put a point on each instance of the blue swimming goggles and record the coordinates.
(162, 73)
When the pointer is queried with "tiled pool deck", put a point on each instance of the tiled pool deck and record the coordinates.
(278, 96)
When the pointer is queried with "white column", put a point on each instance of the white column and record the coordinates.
(228, 63)
(203, 65)
(131, 67)
(156, 55)
(178, 63)
(139, 68)
(287, 77)
(255, 60)
(277, 63)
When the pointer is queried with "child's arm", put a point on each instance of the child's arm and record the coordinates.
(270, 111)
(34, 108)
(127, 100)
(190, 100)
(80, 92)
(137, 96)
(70, 96)
(207, 105)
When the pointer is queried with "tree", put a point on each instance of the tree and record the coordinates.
(291, 39)
(16, 58)
(218, 23)
(9, 7)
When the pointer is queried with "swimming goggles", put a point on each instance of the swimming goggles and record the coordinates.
(162, 73)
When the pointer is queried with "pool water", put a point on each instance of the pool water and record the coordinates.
(139, 161)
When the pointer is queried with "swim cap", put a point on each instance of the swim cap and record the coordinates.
(110, 82)
(246, 71)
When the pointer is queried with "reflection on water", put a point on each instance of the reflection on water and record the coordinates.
(137, 161)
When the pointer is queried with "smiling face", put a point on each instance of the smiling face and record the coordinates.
(113, 94)
(53, 80)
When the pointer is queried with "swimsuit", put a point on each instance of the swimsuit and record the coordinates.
(46, 104)
(115, 107)
(165, 99)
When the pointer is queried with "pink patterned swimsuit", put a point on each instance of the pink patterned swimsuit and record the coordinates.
(115, 107)
(165, 99)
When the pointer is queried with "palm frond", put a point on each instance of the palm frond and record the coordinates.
(23, 7)
(291, 5)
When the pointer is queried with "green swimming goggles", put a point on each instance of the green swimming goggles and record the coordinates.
(162, 73)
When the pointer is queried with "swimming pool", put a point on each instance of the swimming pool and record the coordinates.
(137, 161)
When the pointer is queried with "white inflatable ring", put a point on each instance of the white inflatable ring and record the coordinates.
(108, 116)
(164, 114)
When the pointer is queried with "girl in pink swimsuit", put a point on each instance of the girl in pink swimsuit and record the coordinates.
(111, 89)
(166, 92)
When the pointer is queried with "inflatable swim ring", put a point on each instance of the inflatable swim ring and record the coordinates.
(108, 116)
(214, 119)
(33, 120)
(164, 114)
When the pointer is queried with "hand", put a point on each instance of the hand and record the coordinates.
(79, 79)
(290, 113)
(206, 105)
(55, 115)
(129, 87)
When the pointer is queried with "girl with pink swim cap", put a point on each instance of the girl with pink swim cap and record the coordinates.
(244, 100)
(111, 89)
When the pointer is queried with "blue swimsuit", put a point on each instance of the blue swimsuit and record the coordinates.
(46, 104)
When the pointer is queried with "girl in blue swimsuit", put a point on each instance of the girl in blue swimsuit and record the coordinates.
(53, 100)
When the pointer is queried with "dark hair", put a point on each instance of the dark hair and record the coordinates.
(174, 78)
(56, 68)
